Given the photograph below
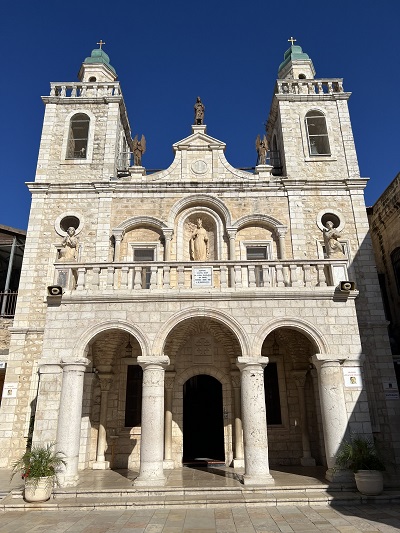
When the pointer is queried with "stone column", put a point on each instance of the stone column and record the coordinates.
(232, 243)
(118, 235)
(238, 461)
(69, 418)
(333, 408)
(254, 421)
(300, 380)
(168, 233)
(105, 384)
(152, 440)
(169, 385)
(280, 233)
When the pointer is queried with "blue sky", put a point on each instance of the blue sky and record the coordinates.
(168, 53)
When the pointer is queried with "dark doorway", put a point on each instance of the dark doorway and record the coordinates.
(203, 428)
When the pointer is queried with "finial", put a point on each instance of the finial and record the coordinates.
(291, 40)
(101, 43)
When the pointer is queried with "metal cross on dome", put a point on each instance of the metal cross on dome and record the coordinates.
(101, 43)
(291, 40)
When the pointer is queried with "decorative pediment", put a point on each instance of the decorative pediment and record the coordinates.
(199, 140)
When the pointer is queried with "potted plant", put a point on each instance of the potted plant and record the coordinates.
(361, 456)
(38, 467)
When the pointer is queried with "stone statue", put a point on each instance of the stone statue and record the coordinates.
(199, 242)
(199, 111)
(262, 149)
(139, 148)
(70, 246)
(332, 246)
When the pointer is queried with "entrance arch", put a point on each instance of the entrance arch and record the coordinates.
(203, 423)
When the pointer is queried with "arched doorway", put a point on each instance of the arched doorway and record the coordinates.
(203, 423)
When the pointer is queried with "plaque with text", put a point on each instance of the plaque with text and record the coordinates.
(202, 276)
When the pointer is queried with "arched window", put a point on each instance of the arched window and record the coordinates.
(78, 136)
(395, 257)
(318, 142)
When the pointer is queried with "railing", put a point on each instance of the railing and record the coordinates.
(125, 161)
(189, 275)
(8, 301)
(326, 86)
(87, 89)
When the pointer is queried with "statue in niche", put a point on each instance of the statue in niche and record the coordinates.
(139, 148)
(262, 149)
(199, 111)
(70, 246)
(332, 246)
(199, 245)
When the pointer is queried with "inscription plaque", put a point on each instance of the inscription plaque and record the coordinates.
(202, 277)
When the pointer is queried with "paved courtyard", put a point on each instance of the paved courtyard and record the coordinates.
(285, 519)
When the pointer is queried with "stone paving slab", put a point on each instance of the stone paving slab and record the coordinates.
(283, 519)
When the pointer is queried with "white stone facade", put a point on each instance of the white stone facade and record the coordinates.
(134, 296)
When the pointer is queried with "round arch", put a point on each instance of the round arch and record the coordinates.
(269, 221)
(91, 333)
(130, 223)
(212, 314)
(200, 200)
(298, 324)
(199, 370)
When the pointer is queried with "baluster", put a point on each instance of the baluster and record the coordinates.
(252, 275)
(286, 276)
(311, 88)
(307, 275)
(110, 277)
(340, 86)
(266, 276)
(238, 276)
(153, 277)
(330, 87)
(181, 276)
(295, 282)
(321, 276)
(83, 91)
(96, 278)
(279, 276)
(124, 277)
(138, 278)
(63, 90)
(80, 284)
(52, 90)
(320, 88)
(224, 277)
(73, 91)
(167, 277)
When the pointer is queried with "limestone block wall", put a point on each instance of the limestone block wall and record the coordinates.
(5, 325)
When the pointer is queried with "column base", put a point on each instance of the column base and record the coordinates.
(168, 464)
(339, 475)
(254, 481)
(238, 463)
(307, 461)
(101, 465)
(159, 482)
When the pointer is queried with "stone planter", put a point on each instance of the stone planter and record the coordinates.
(40, 491)
(369, 482)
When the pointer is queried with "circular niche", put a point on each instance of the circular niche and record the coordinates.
(199, 167)
(68, 220)
(330, 215)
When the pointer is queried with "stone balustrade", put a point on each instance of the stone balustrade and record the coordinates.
(257, 275)
(302, 86)
(82, 90)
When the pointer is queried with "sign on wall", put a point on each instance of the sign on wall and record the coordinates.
(202, 277)
(391, 390)
(352, 376)
(10, 390)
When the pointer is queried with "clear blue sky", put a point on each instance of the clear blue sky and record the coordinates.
(167, 53)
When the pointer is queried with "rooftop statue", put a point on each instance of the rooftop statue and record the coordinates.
(199, 111)
(262, 149)
(139, 148)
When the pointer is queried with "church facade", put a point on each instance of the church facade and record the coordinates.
(200, 312)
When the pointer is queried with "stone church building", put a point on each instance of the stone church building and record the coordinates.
(200, 312)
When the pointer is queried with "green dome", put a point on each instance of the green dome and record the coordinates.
(99, 56)
(294, 52)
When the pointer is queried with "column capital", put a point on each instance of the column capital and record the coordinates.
(50, 368)
(168, 233)
(153, 361)
(169, 380)
(250, 363)
(235, 377)
(118, 234)
(299, 377)
(105, 380)
(80, 363)
(281, 231)
(231, 232)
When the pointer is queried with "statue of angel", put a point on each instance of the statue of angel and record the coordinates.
(262, 149)
(139, 148)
